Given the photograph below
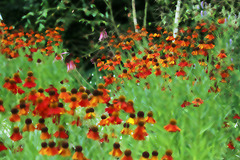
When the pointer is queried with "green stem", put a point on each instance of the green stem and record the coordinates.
(134, 15)
(109, 4)
(84, 79)
(145, 14)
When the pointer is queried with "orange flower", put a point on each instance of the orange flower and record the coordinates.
(51, 150)
(140, 131)
(129, 108)
(154, 155)
(116, 152)
(45, 135)
(78, 155)
(145, 156)
(221, 20)
(16, 136)
(222, 54)
(65, 151)
(28, 126)
(197, 102)
(29, 81)
(14, 117)
(61, 132)
(172, 127)
(170, 37)
(168, 155)
(114, 119)
(43, 150)
(149, 118)
(104, 121)
(126, 130)
(89, 113)
(64, 95)
(93, 133)
(84, 102)
(41, 124)
(127, 155)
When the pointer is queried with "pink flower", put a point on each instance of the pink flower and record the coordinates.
(103, 35)
(59, 56)
(71, 66)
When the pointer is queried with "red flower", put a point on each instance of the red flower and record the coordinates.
(185, 103)
(2, 109)
(114, 119)
(2, 147)
(61, 132)
(93, 133)
(236, 116)
(140, 132)
(16, 136)
(230, 145)
(172, 127)
(168, 155)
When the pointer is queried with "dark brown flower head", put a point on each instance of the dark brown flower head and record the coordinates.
(128, 61)
(150, 114)
(155, 153)
(170, 34)
(103, 117)
(91, 109)
(30, 73)
(95, 92)
(39, 60)
(173, 122)
(28, 121)
(169, 152)
(101, 86)
(81, 89)
(40, 90)
(145, 154)
(63, 89)
(14, 110)
(12, 81)
(41, 120)
(44, 129)
(6, 79)
(126, 125)
(222, 51)
(16, 129)
(73, 99)
(61, 128)
(127, 152)
(144, 58)
(78, 148)
(51, 144)
(132, 115)
(74, 91)
(51, 92)
(1, 102)
(60, 105)
(140, 114)
(16, 75)
(94, 128)
(122, 98)
(130, 102)
(116, 145)
(124, 71)
(65, 144)
(22, 106)
(44, 144)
